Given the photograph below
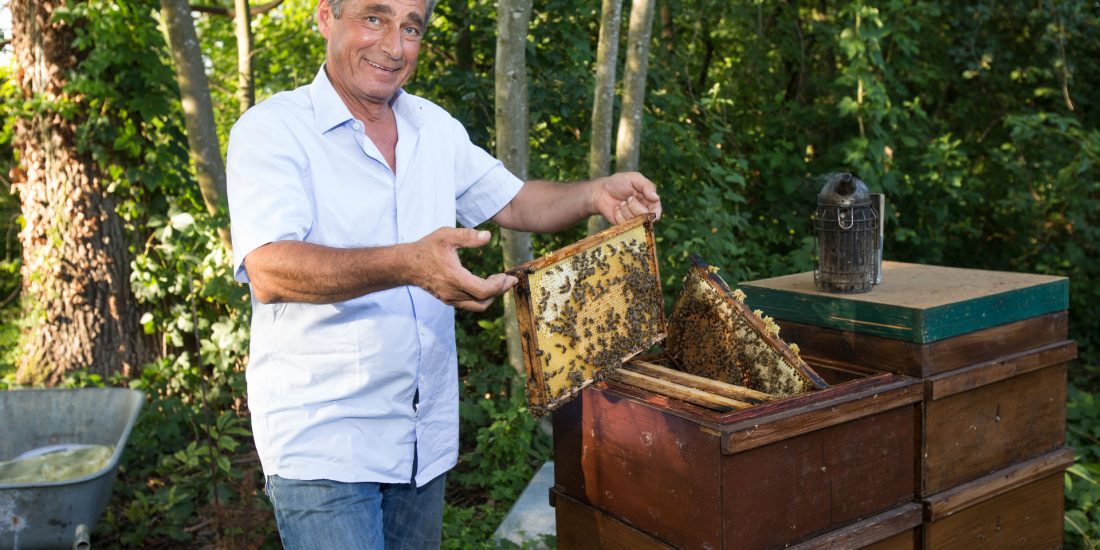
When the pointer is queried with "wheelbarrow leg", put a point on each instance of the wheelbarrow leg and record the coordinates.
(82, 539)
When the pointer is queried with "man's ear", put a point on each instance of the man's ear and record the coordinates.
(324, 17)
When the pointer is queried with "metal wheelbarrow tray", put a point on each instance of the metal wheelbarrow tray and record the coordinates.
(61, 514)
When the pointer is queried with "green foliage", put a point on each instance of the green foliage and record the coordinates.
(1083, 478)
(977, 121)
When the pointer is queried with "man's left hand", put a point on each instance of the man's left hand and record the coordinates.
(624, 195)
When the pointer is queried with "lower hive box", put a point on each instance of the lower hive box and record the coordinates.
(582, 526)
(1018, 507)
(768, 476)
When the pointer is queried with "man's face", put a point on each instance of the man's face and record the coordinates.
(373, 45)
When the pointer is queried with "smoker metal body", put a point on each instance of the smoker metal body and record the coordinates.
(847, 231)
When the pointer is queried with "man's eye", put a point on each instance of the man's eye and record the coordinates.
(412, 31)
(373, 20)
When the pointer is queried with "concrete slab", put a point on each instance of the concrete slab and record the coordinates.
(531, 517)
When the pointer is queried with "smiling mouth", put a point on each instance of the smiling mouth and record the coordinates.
(384, 68)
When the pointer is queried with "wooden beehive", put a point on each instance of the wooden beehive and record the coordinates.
(991, 350)
(782, 472)
(668, 458)
(586, 308)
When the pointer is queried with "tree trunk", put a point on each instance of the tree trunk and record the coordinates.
(603, 103)
(513, 17)
(76, 295)
(629, 141)
(198, 110)
(246, 94)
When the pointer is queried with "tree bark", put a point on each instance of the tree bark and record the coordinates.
(629, 141)
(246, 94)
(513, 18)
(198, 110)
(603, 103)
(76, 295)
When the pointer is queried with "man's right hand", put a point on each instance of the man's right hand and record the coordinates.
(438, 270)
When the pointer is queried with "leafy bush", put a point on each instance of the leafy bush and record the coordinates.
(977, 122)
(1083, 478)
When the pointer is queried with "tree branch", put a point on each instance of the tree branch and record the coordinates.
(232, 13)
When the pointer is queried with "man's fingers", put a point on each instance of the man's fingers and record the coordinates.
(481, 298)
(471, 238)
(474, 288)
(476, 306)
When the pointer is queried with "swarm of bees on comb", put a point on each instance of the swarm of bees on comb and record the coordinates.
(585, 309)
(713, 334)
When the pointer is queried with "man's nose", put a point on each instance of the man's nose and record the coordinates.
(392, 45)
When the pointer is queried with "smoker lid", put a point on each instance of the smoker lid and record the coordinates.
(843, 189)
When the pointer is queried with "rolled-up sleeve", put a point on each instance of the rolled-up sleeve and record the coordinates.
(483, 185)
(267, 179)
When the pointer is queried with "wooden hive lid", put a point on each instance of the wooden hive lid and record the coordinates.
(915, 303)
(586, 308)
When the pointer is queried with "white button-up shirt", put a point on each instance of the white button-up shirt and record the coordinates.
(330, 387)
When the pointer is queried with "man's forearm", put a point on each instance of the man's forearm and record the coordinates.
(546, 207)
(294, 271)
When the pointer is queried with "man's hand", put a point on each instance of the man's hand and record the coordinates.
(622, 196)
(439, 271)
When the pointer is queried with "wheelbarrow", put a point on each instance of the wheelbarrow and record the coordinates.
(60, 514)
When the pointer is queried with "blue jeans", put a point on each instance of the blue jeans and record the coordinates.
(322, 514)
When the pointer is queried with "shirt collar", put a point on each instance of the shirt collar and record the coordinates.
(329, 110)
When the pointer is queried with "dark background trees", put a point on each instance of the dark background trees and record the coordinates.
(979, 121)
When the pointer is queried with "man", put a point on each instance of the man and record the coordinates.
(344, 196)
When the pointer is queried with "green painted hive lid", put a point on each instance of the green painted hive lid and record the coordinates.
(915, 302)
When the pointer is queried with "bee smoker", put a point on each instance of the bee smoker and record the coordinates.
(847, 235)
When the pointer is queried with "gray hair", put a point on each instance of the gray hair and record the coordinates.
(338, 8)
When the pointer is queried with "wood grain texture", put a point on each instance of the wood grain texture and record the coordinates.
(1028, 517)
(678, 391)
(842, 408)
(731, 391)
(968, 435)
(582, 527)
(915, 303)
(891, 529)
(922, 360)
(659, 472)
(657, 463)
(820, 481)
(906, 540)
(997, 370)
(942, 505)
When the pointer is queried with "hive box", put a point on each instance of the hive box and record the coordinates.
(991, 351)
(582, 526)
(765, 477)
